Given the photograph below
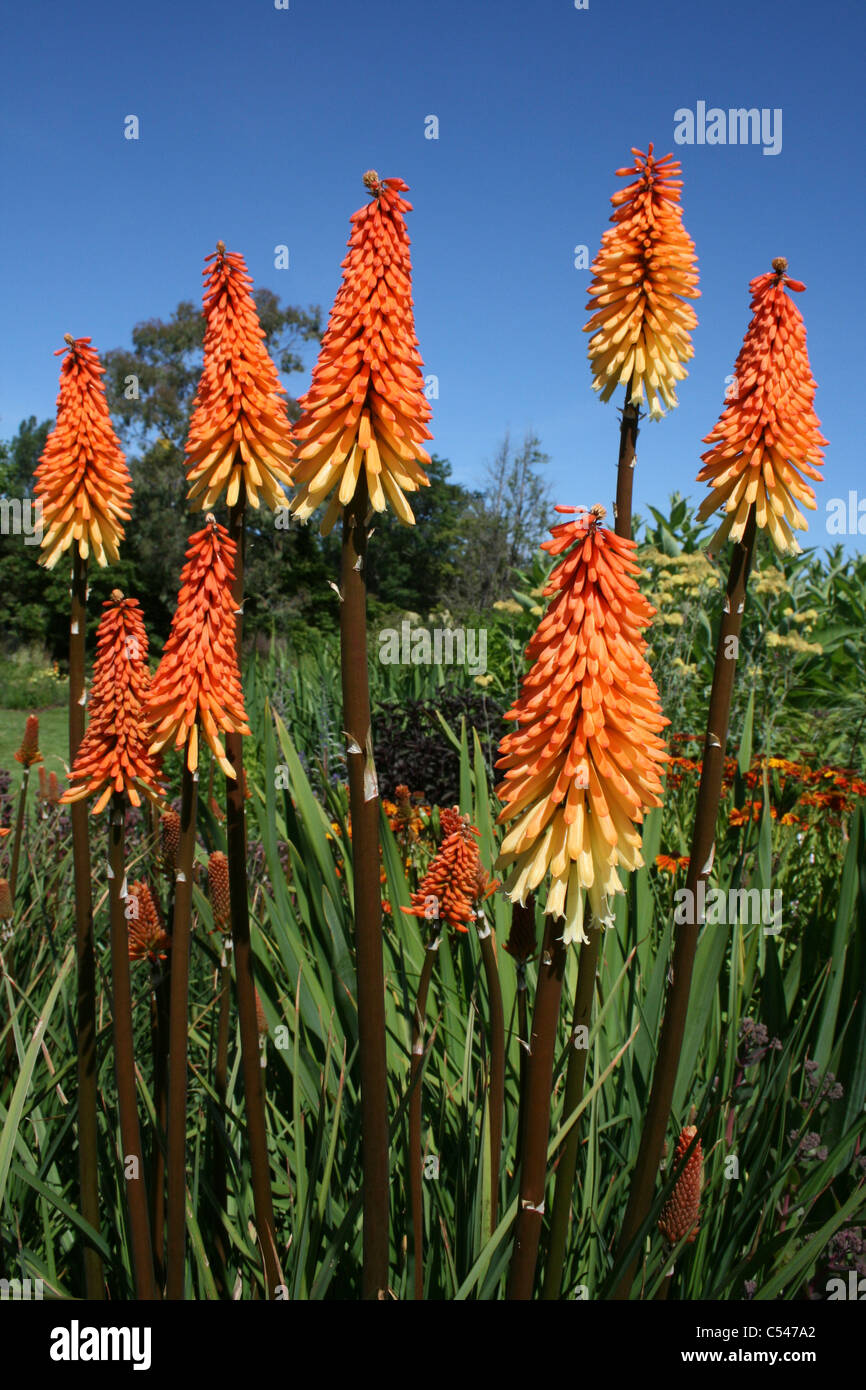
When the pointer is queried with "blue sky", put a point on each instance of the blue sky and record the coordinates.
(256, 125)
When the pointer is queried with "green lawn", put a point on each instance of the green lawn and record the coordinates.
(53, 740)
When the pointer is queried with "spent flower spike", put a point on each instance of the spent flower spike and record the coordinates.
(584, 762)
(366, 406)
(82, 480)
(198, 679)
(240, 431)
(767, 439)
(642, 276)
(114, 755)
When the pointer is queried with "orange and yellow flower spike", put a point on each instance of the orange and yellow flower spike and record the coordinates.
(198, 679)
(642, 276)
(82, 480)
(114, 755)
(366, 406)
(239, 431)
(767, 438)
(585, 759)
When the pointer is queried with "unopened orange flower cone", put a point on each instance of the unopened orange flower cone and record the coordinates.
(198, 677)
(114, 755)
(642, 276)
(767, 439)
(218, 891)
(585, 759)
(28, 753)
(366, 406)
(679, 1216)
(82, 480)
(239, 431)
(455, 880)
(148, 939)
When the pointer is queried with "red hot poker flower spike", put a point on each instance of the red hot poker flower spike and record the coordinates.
(584, 762)
(767, 439)
(239, 431)
(114, 754)
(642, 275)
(455, 880)
(82, 480)
(147, 937)
(366, 406)
(198, 676)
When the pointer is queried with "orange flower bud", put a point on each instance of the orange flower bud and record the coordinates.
(28, 753)
(147, 937)
(218, 890)
(679, 1216)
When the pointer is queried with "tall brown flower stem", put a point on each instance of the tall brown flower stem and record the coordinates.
(700, 862)
(160, 986)
(575, 1077)
(628, 432)
(177, 1040)
(236, 837)
(220, 1081)
(19, 831)
(533, 1159)
(88, 1163)
(496, 1093)
(124, 1060)
(364, 807)
(416, 1189)
(523, 1035)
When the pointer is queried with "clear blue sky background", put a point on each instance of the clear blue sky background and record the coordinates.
(256, 125)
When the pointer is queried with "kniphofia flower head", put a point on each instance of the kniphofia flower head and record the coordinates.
(114, 755)
(455, 880)
(169, 842)
(584, 762)
(366, 407)
(198, 679)
(643, 275)
(218, 891)
(239, 431)
(28, 753)
(679, 1216)
(7, 907)
(767, 439)
(147, 937)
(82, 480)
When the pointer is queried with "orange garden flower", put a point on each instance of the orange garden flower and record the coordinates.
(679, 1216)
(642, 275)
(366, 405)
(218, 891)
(671, 863)
(28, 753)
(82, 479)
(147, 937)
(239, 431)
(584, 761)
(767, 437)
(455, 880)
(114, 754)
(198, 676)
